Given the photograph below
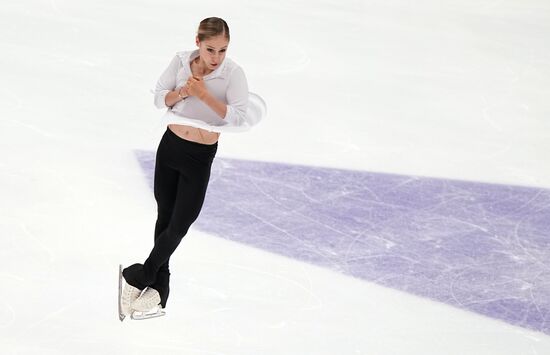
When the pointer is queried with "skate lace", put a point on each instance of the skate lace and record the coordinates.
(130, 292)
(149, 299)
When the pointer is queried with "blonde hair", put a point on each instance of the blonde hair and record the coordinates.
(212, 27)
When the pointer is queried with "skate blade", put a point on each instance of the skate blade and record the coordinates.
(137, 315)
(121, 316)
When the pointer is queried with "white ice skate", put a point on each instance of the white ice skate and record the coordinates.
(147, 305)
(126, 296)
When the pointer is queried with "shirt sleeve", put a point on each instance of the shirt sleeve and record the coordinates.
(166, 82)
(237, 98)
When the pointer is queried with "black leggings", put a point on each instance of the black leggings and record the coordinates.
(182, 171)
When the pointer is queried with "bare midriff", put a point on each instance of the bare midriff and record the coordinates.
(193, 134)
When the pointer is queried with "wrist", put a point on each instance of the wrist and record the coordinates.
(182, 97)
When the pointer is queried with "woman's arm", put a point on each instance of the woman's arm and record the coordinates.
(166, 94)
(219, 107)
(195, 87)
(175, 96)
(237, 96)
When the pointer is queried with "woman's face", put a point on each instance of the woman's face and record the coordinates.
(212, 51)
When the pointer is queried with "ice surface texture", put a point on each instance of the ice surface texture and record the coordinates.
(477, 246)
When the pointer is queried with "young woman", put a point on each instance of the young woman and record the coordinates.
(203, 93)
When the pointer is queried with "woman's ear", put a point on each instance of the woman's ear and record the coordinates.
(197, 42)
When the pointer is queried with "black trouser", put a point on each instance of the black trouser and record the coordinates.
(182, 171)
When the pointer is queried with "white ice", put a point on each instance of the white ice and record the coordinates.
(432, 88)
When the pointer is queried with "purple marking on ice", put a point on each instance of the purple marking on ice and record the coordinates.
(477, 246)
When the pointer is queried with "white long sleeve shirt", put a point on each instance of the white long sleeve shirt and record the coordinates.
(226, 83)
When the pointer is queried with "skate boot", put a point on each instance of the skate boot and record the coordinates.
(126, 295)
(147, 305)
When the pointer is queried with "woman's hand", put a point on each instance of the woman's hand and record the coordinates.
(195, 87)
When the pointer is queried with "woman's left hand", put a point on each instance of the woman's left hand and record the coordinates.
(196, 87)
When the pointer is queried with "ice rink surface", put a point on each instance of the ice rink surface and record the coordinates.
(396, 199)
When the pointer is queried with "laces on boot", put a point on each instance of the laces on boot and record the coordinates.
(148, 300)
(129, 295)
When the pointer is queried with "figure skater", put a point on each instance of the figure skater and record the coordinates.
(203, 91)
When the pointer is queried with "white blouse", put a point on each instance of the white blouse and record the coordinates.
(226, 83)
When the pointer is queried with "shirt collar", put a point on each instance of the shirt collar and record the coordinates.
(219, 72)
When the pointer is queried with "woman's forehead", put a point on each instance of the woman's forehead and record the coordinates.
(217, 42)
